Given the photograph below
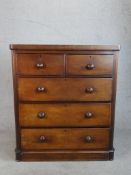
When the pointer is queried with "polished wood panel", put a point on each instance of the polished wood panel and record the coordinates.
(75, 115)
(74, 155)
(73, 89)
(65, 47)
(65, 138)
(40, 64)
(89, 65)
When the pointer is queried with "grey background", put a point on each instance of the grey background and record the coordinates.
(66, 22)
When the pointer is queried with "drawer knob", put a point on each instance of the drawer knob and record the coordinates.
(90, 66)
(88, 114)
(41, 115)
(40, 65)
(88, 139)
(89, 90)
(42, 138)
(40, 89)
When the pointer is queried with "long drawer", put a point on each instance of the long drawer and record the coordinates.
(65, 89)
(75, 138)
(76, 115)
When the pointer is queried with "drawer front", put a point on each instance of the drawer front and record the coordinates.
(89, 64)
(75, 138)
(58, 89)
(65, 114)
(40, 64)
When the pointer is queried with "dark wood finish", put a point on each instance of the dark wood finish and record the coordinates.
(75, 155)
(55, 115)
(68, 89)
(65, 138)
(65, 47)
(40, 64)
(114, 88)
(89, 64)
(66, 109)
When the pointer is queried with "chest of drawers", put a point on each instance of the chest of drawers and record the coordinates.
(64, 98)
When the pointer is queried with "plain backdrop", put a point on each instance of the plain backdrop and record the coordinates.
(66, 22)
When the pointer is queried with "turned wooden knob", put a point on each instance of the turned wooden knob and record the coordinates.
(41, 115)
(89, 90)
(88, 114)
(88, 139)
(90, 66)
(42, 138)
(40, 65)
(40, 89)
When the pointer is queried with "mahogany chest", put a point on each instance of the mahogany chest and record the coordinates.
(64, 98)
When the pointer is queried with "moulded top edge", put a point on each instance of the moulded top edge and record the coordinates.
(65, 47)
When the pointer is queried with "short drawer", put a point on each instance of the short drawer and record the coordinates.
(40, 64)
(90, 65)
(46, 115)
(68, 89)
(66, 138)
